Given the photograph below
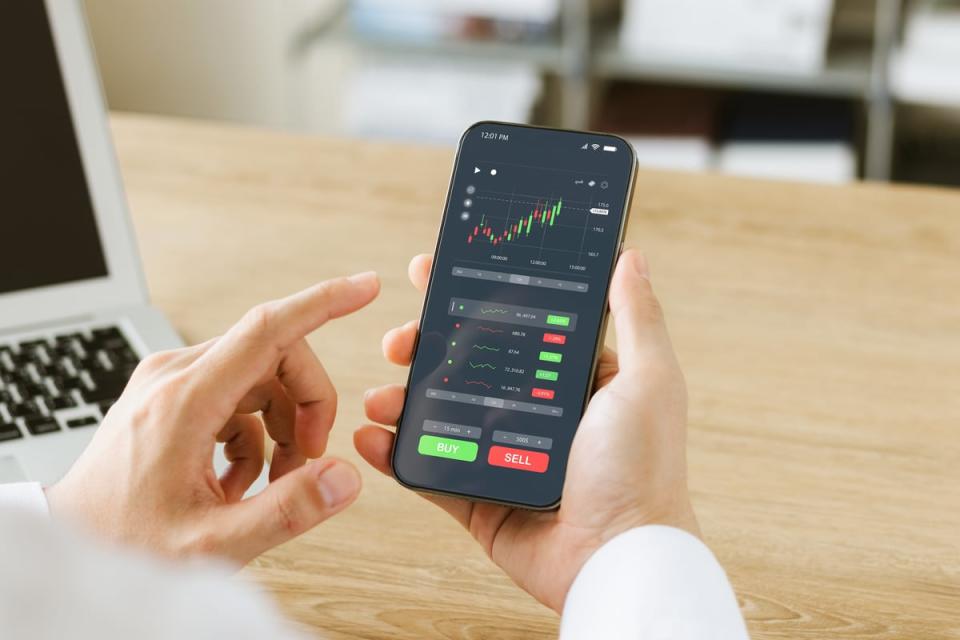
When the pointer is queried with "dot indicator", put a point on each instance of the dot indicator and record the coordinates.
(453, 344)
(446, 379)
(449, 361)
(457, 326)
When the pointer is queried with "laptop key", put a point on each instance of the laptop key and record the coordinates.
(38, 425)
(24, 409)
(9, 431)
(86, 421)
(61, 402)
(109, 386)
(7, 361)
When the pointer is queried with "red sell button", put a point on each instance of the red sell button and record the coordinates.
(546, 394)
(554, 338)
(518, 459)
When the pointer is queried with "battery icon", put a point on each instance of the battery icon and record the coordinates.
(608, 147)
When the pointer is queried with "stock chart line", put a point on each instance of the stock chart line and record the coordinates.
(490, 329)
(482, 365)
(483, 347)
(544, 216)
(482, 383)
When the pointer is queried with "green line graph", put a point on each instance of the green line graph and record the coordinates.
(482, 365)
(483, 347)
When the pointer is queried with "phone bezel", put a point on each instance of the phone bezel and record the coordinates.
(601, 336)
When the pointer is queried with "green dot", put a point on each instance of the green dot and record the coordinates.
(461, 307)
(449, 361)
(453, 344)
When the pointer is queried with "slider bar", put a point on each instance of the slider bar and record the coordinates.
(497, 403)
(513, 278)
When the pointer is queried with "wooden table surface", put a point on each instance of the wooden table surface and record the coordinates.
(819, 329)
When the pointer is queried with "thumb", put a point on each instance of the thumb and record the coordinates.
(291, 505)
(637, 316)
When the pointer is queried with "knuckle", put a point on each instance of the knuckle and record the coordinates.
(289, 516)
(155, 361)
(205, 542)
(326, 291)
(649, 307)
(169, 391)
(160, 399)
(259, 319)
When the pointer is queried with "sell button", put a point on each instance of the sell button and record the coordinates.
(518, 459)
(447, 448)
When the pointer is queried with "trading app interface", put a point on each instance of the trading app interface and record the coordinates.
(514, 312)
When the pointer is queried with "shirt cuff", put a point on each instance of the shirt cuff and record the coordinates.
(26, 496)
(652, 582)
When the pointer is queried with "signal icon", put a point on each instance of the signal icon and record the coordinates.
(595, 146)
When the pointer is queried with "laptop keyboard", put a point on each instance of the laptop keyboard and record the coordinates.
(62, 382)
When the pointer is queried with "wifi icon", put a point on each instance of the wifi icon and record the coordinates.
(595, 146)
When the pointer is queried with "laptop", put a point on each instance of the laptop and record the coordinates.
(74, 314)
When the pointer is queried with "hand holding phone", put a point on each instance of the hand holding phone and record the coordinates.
(627, 465)
(514, 313)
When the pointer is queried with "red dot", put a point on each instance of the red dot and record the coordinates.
(457, 325)
(446, 379)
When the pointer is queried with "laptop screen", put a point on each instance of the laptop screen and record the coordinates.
(48, 234)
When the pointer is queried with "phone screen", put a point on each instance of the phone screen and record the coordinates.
(514, 313)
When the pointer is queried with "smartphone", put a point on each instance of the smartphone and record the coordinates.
(515, 313)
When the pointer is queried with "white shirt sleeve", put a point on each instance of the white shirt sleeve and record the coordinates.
(25, 496)
(649, 583)
(652, 583)
(57, 584)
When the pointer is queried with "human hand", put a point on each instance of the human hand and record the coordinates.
(147, 477)
(627, 465)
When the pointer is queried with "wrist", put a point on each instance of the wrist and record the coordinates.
(677, 514)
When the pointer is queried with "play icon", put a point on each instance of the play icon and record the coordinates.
(476, 169)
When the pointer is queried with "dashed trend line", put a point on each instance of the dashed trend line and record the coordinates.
(484, 347)
(482, 365)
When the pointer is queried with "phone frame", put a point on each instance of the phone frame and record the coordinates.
(601, 338)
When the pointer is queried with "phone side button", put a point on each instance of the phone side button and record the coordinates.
(518, 459)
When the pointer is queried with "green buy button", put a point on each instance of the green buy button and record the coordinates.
(543, 374)
(550, 356)
(560, 321)
(447, 448)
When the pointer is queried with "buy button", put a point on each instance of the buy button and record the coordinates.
(518, 459)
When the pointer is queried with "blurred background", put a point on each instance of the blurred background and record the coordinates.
(817, 90)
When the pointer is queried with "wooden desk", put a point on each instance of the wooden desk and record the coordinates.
(819, 329)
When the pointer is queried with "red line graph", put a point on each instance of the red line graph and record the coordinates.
(480, 382)
(489, 330)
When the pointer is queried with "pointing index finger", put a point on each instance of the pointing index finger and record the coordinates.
(250, 351)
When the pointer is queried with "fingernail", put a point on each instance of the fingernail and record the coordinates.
(363, 278)
(338, 483)
(640, 264)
